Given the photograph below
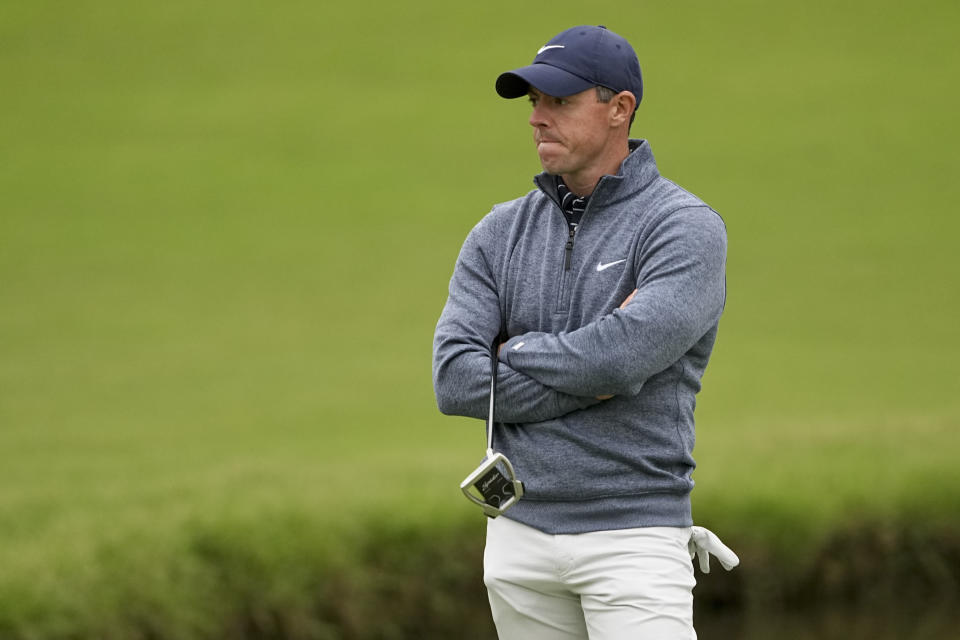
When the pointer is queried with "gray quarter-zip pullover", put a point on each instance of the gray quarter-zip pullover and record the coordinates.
(589, 464)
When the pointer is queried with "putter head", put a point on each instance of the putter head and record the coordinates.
(493, 486)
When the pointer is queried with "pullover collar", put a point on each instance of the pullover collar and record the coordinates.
(636, 173)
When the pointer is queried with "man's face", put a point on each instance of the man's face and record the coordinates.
(571, 133)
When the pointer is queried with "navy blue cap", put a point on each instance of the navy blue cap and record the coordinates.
(574, 61)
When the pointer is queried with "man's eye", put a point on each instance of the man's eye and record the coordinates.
(559, 101)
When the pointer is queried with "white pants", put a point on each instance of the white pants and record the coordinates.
(634, 584)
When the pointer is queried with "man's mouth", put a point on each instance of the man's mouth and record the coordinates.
(539, 138)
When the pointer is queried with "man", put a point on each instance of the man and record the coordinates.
(607, 284)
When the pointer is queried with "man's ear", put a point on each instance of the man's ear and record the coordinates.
(624, 104)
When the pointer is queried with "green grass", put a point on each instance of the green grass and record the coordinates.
(226, 232)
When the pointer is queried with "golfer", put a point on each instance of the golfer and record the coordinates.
(604, 287)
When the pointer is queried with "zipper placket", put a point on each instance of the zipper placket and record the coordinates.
(567, 253)
(563, 300)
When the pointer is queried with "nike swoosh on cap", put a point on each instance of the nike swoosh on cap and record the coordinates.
(550, 46)
(601, 266)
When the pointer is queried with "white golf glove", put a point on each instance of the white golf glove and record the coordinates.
(703, 542)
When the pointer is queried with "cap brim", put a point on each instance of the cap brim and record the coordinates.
(551, 80)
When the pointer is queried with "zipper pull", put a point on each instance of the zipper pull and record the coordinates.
(569, 250)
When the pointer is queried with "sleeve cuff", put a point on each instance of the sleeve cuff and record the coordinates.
(509, 347)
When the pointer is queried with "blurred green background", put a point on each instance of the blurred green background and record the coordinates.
(227, 228)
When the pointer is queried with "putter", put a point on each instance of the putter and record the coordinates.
(493, 486)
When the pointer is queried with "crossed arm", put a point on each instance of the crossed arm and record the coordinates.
(623, 304)
(679, 296)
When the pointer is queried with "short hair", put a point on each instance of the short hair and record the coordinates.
(605, 94)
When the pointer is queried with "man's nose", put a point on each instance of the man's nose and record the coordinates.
(538, 117)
